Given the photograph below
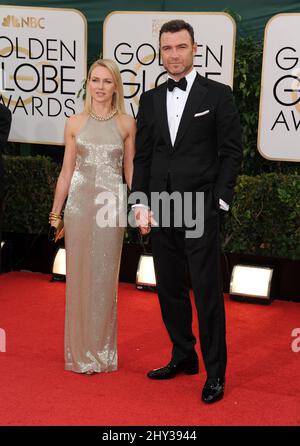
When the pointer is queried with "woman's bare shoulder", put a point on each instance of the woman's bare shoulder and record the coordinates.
(74, 122)
(127, 121)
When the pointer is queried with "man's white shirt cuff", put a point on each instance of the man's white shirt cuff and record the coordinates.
(223, 205)
(139, 205)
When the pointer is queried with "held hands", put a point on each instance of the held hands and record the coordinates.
(144, 219)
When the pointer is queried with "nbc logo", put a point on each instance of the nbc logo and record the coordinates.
(23, 22)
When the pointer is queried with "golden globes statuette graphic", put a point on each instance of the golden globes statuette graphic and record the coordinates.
(279, 115)
(137, 51)
(42, 67)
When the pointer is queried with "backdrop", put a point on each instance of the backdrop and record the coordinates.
(254, 13)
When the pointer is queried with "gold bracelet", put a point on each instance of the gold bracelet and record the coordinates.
(54, 215)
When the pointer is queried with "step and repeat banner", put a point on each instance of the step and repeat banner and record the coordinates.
(279, 116)
(136, 51)
(43, 64)
(42, 67)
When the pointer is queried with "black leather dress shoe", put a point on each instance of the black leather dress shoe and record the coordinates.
(189, 367)
(213, 390)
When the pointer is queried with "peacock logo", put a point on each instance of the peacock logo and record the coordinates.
(23, 22)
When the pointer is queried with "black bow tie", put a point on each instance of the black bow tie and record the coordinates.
(182, 84)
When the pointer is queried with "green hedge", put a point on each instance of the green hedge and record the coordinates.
(264, 217)
(28, 193)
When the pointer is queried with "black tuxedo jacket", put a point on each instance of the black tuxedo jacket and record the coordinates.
(5, 122)
(207, 152)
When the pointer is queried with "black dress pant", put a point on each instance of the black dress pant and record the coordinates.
(174, 255)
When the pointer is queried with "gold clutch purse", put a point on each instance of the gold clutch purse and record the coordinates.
(55, 229)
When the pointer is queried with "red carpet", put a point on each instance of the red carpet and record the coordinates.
(263, 385)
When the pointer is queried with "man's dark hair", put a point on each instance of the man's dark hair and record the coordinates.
(173, 26)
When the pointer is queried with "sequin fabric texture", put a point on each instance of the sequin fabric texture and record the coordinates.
(93, 252)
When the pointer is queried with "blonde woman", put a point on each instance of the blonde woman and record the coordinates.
(99, 148)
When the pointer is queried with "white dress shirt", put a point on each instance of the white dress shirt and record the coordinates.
(176, 100)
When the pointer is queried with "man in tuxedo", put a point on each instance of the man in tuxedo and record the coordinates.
(188, 140)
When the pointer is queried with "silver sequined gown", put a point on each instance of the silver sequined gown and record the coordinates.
(93, 252)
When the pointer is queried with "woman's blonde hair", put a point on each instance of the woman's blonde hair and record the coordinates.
(118, 96)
